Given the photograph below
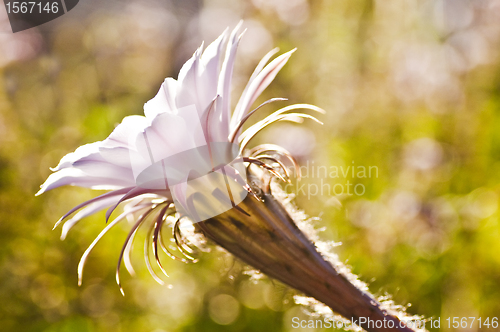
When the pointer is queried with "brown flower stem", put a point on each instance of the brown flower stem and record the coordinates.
(269, 240)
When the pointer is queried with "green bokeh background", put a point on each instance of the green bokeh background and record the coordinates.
(410, 87)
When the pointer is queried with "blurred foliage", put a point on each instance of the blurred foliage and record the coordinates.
(410, 88)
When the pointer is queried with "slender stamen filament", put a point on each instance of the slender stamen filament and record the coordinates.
(236, 130)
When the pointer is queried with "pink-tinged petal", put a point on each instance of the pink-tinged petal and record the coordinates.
(167, 135)
(119, 156)
(257, 85)
(209, 121)
(209, 70)
(89, 210)
(76, 177)
(130, 126)
(164, 101)
(100, 168)
(224, 84)
(262, 63)
(119, 147)
(80, 152)
(187, 91)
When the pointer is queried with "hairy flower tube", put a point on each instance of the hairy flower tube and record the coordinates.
(188, 159)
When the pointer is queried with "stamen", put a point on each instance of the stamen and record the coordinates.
(90, 201)
(242, 121)
(87, 252)
(181, 245)
(264, 165)
(129, 237)
(250, 133)
(156, 227)
(126, 257)
(278, 150)
(162, 244)
(207, 129)
(282, 166)
(281, 111)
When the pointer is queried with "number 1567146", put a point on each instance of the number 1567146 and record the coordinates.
(470, 322)
(32, 7)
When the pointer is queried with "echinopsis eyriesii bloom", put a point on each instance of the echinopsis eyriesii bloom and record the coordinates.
(187, 159)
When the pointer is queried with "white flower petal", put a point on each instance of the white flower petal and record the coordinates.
(81, 152)
(98, 167)
(223, 111)
(209, 70)
(76, 177)
(258, 84)
(187, 91)
(130, 126)
(262, 63)
(164, 101)
(167, 135)
(117, 156)
(119, 147)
